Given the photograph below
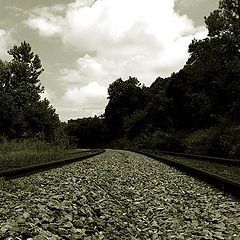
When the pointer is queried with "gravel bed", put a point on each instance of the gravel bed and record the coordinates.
(115, 195)
(227, 171)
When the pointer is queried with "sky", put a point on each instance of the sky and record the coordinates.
(85, 45)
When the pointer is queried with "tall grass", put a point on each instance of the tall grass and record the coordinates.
(21, 153)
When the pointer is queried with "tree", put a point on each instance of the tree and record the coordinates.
(87, 132)
(206, 92)
(23, 113)
(25, 69)
(196, 109)
(136, 123)
(159, 105)
(125, 97)
(11, 121)
(214, 66)
(225, 20)
(181, 107)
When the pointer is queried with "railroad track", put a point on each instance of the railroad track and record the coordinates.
(197, 166)
(25, 171)
(116, 195)
(226, 161)
(224, 183)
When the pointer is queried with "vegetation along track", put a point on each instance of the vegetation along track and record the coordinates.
(116, 195)
(220, 172)
(24, 171)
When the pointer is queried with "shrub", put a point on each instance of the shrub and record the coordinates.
(204, 142)
(161, 140)
(230, 140)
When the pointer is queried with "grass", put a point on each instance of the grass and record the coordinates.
(15, 154)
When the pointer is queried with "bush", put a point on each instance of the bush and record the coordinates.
(141, 142)
(158, 140)
(120, 144)
(165, 141)
(204, 142)
(230, 140)
(222, 141)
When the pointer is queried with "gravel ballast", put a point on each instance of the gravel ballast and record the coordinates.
(115, 195)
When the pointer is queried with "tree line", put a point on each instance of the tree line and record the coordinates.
(195, 110)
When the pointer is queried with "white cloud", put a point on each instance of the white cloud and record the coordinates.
(93, 91)
(87, 69)
(201, 33)
(46, 20)
(45, 26)
(5, 42)
(83, 101)
(118, 31)
(118, 38)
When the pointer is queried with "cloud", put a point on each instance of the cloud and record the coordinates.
(126, 33)
(46, 20)
(46, 28)
(15, 11)
(93, 91)
(86, 69)
(5, 42)
(83, 101)
(78, 101)
(117, 38)
(187, 3)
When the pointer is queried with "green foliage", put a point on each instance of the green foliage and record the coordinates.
(177, 91)
(135, 123)
(165, 141)
(22, 112)
(86, 132)
(159, 106)
(225, 20)
(230, 140)
(214, 63)
(208, 86)
(204, 142)
(125, 97)
(24, 71)
(222, 140)
(25, 152)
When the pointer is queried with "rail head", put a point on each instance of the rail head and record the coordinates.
(24, 171)
(230, 161)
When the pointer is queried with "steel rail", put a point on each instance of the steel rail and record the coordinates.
(222, 183)
(25, 171)
(228, 161)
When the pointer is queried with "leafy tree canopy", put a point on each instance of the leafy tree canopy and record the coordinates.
(225, 20)
(22, 112)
